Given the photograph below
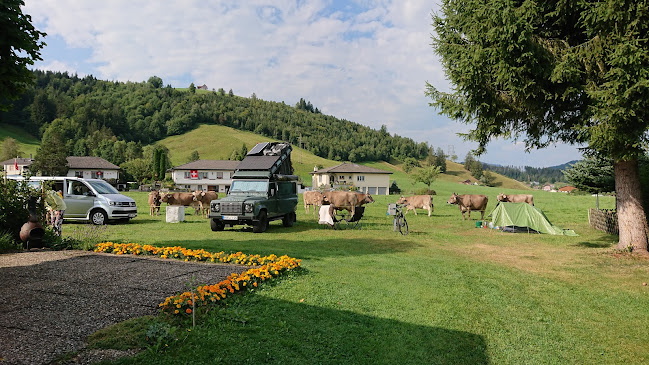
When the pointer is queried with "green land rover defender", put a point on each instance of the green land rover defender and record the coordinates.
(263, 189)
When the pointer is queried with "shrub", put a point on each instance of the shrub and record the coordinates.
(14, 198)
(7, 242)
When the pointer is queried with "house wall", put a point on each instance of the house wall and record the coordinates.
(91, 173)
(376, 184)
(207, 180)
(10, 170)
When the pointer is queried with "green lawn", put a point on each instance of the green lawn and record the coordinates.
(447, 293)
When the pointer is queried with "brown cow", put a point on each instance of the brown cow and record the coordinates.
(204, 198)
(417, 201)
(469, 202)
(314, 198)
(186, 199)
(347, 200)
(154, 202)
(516, 198)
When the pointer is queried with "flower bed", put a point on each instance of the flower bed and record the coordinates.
(263, 268)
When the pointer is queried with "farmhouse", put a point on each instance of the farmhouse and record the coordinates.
(213, 175)
(89, 167)
(78, 166)
(16, 166)
(366, 179)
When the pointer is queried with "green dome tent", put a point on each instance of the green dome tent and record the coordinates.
(523, 215)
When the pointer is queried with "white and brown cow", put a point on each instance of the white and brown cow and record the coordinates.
(154, 202)
(204, 198)
(469, 202)
(417, 201)
(185, 199)
(314, 198)
(347, 200)
(516, 198)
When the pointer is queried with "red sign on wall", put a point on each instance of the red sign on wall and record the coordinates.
(193, 174)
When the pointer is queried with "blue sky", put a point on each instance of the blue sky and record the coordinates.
(363, 61)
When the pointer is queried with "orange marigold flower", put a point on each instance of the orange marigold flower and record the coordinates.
(188, 311)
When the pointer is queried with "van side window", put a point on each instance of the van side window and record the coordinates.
(77, 188)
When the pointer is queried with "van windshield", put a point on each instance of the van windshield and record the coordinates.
(103, 187)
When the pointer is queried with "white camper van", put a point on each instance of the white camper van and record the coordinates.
(92, 200)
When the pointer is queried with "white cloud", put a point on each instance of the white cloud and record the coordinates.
(369, 67)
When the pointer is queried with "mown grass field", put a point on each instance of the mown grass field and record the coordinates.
(447, 293)
(28, 144)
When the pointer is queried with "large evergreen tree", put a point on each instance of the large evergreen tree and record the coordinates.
(553, 71)
(51, 157)
(20, 46)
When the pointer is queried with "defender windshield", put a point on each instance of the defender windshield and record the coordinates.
(249, 186)
(103, 187)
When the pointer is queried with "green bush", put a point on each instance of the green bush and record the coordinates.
(7, 243)
(14, 198)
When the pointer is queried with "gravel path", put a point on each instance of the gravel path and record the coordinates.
(52, 300)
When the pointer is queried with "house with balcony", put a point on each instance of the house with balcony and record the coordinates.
(365, 179)
(212, 175)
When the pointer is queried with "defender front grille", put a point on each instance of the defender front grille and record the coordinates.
(231, 208)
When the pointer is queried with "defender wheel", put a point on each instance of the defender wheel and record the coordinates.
(289, 219)
(98, 217)
(262, 225)
(216, 225)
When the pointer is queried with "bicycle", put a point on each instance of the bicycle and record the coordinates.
(399, 221)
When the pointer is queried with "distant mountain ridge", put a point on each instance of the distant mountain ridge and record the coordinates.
(528, 174)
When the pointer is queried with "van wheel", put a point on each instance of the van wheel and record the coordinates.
(262, 225)
(289, 219)
(98, 217)
(216, 225)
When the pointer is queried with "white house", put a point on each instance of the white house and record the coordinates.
(366, 179)
(16, 166)
(89, 167)
(213, 175)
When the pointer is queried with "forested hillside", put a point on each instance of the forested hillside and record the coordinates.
(109, 119)
(541, 175)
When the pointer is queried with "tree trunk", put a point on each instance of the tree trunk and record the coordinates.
(632, 220)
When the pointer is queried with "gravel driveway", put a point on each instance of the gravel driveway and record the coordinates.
(52, 300)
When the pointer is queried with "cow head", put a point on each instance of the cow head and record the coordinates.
(166, 197)
(155, 196)
(402, 200)
(368, 199)
(197, 195)
(502, 197)
(453, 199)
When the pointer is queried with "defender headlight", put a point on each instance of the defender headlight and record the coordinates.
(248, 207)
(112, 203)
(216, 207)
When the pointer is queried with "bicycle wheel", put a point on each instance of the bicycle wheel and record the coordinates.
(403, 227)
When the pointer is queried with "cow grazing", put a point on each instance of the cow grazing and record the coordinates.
(154, 202)
(185, 199)
(347, 200)
(314, 198)
(516, 198)
(204, 198)
(469, 202)
(417, 201)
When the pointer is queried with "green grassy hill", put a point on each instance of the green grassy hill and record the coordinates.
(28, 143)
(215, 142)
